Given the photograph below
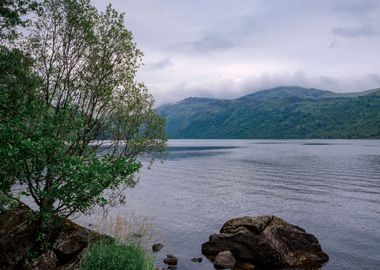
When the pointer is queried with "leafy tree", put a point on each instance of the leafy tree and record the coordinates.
(80, 85)
(12, 13)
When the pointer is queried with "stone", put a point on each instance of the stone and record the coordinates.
(266, 241)
(171, 260)
(198, 260)
(71, 242)
(225, 259)
(18, 232)
(17, 236)
(46, 261)
(157, 247)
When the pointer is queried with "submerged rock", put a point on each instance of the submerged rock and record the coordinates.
(171, 260)
(266, 241)
(157, 247)
(198, 260)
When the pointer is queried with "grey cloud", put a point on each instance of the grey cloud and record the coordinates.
(355, 7)
(330, 81)
(228, 89)
(159, 65)
(224, 49)
(375, 78)
(333, 45)
(209, 43)
(205, 44)
(356, 31)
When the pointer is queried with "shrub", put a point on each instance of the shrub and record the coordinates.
(6, 203)
(113, 255)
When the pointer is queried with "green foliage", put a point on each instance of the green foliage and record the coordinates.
(31, 254)
(11, 16)
(280, 113)
(6, 203)
(113, 255)
(77, 82)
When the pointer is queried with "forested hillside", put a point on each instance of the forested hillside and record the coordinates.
(279, 113)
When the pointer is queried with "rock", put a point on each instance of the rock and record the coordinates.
(171, 260)
(71, 265)
(18, 232)
(198, 260)
(225, 259)
(157, 247)
(17, 237)
(266, 241)
(172, 267)
(46, 261)
(70, 242)
(246, 266)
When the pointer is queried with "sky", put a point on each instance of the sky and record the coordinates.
(226, 49)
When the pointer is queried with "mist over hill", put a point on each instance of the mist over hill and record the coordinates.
(278, 113)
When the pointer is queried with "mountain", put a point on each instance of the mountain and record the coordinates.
(290, 91)
(279, 113)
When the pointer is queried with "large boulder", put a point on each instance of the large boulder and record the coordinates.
(266, 241)
(17, 237)
(18, 233)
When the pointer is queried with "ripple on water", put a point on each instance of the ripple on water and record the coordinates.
(329, 187)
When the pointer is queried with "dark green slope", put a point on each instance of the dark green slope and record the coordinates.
(287, 112)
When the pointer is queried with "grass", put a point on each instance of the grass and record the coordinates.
(125, 249)
(108, 254)
(126, 227)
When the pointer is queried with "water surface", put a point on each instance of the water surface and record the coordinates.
(329, 187)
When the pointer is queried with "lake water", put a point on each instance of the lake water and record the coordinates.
(329, 187)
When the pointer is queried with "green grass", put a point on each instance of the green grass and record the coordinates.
(112, 255)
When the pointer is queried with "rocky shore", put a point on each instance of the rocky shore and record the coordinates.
(265, 242)
(18, 238)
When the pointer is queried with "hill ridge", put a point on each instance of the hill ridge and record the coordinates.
(277, 113)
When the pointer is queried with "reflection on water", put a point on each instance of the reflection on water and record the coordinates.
(329, 187)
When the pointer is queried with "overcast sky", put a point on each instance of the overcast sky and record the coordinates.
(225, 48)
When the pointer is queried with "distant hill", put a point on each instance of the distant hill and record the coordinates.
(279, 113)
(290, 91)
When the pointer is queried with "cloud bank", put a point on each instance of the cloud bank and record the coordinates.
(225, 49)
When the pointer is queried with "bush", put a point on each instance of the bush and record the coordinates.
(6, 203)
(112, 255)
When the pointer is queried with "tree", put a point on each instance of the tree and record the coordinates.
(15, 68)
(11, 16)
(80, 86)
